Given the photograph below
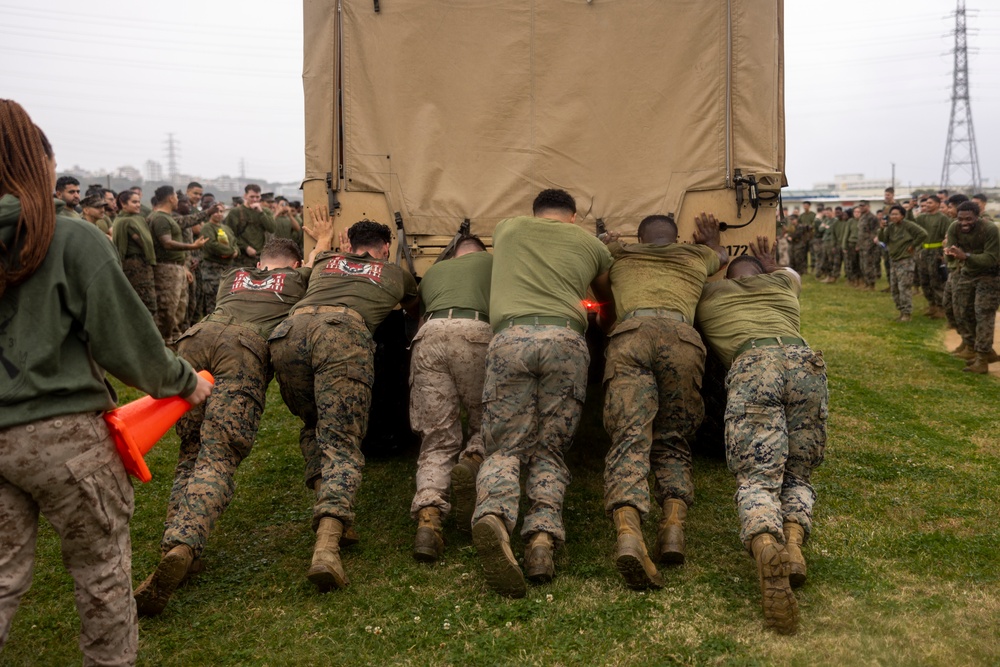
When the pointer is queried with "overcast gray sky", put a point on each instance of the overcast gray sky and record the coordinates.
(868, 83)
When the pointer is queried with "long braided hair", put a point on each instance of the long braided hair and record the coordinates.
(25, 172)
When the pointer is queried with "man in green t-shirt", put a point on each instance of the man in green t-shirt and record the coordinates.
(975, 245)
(931, 255)
(653, 403)
(230, 343)
(949, 206)
(536, 382)
(324, 358)
(447, 367)
(776, 411)
(869, 251)
(902, 239)
(170, 273)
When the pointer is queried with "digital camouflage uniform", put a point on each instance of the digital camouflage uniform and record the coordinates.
(869, 252)
(902, 241)
(536, 368)
(976, 284)
(852, 261)
(447, 368)
(169, 276)
(231, 343)
(801, 235)
(777, 399)
(931, 256)
(655, 363)
(323, 357)
(134, 241)
(215, 262)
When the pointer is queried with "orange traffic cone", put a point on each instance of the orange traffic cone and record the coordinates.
(139, 425)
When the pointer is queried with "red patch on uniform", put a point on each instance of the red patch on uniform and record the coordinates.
(345, 266)
(244, 282)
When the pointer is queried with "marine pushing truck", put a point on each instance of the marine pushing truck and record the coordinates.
(444, 117)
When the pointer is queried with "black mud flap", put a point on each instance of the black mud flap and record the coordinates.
(710, 440)
(389, 432)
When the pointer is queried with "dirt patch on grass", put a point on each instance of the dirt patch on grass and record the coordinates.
(953, 340)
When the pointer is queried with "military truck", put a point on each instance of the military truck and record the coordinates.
(442, 117)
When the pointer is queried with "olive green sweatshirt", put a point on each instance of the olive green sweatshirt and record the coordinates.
(982, 246)
(902, 240)
(73, 319)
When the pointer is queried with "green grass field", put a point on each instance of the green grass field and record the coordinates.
(903, 565)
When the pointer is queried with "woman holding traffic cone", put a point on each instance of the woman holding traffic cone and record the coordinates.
(67, 314)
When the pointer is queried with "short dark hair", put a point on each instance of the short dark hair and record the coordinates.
(807, 203)
(656, 222)
(63, 181)
(864, 202)
(744, 259)
(163, 192)
(471, 239)
(279, 247)
(553, 200)
(839, 208)
(968, 206)
(207, 194)
(251, 186)
(193, 184)
(136, 188)
(897, 207)
(125, 195)
(891, 189)
(980, 196)
(366, 233)
(958, 199)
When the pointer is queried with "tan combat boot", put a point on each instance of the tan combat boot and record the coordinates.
(489, 534)
(781, 611)
(936, 313)
(978, 365)
(152, 595)
(538, 565)
(631, 558)
(795, 535)
(963, 351)
(429, 544)
(463, 490)
(326, 570)
(670, 536)
(350, 536)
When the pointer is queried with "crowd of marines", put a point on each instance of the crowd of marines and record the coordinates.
(945, 245)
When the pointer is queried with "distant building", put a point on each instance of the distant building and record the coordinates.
(129, 173)
(154, 170)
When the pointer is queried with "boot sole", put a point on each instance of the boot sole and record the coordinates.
(635, 575)
(671, 557)
(152, 596)
(541, 570)
(501, 570)
(463, 497)
(797, 578)
(781, 610)
(325, 579)
(428, 547)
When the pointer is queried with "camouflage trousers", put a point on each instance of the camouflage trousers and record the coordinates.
(900, 282)
(324, 363)
(218, 434)
(800, 256)
(171, 299)
(833, 258)
(140, 277)
(817, 255)
(67, 468)
(974, 303)
(210, 276)
(775, 435)
(652, 408)
(868, 260)
(533, 394)
(447, 368)
(947, 300)
(852, 263)
(929, 275)
(194, 311)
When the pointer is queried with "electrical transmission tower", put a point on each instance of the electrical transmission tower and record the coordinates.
(961, 161)
(173, 152)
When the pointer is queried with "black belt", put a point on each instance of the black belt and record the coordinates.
(458, 314)
(779, 341)
(655, 312)
(544, 321)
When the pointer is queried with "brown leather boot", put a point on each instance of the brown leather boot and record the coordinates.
(463, 490)
(795, 535)
(631, 558)
(489, 534)
(350, 536)
(936, 313)
(152, 595)
(670, 536)
(429, 544)
(538, 565)
(963, 351)
(978, 365)
(781, 611)
(326, 571)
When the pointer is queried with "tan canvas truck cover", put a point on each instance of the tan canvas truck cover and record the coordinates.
(465, 109)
